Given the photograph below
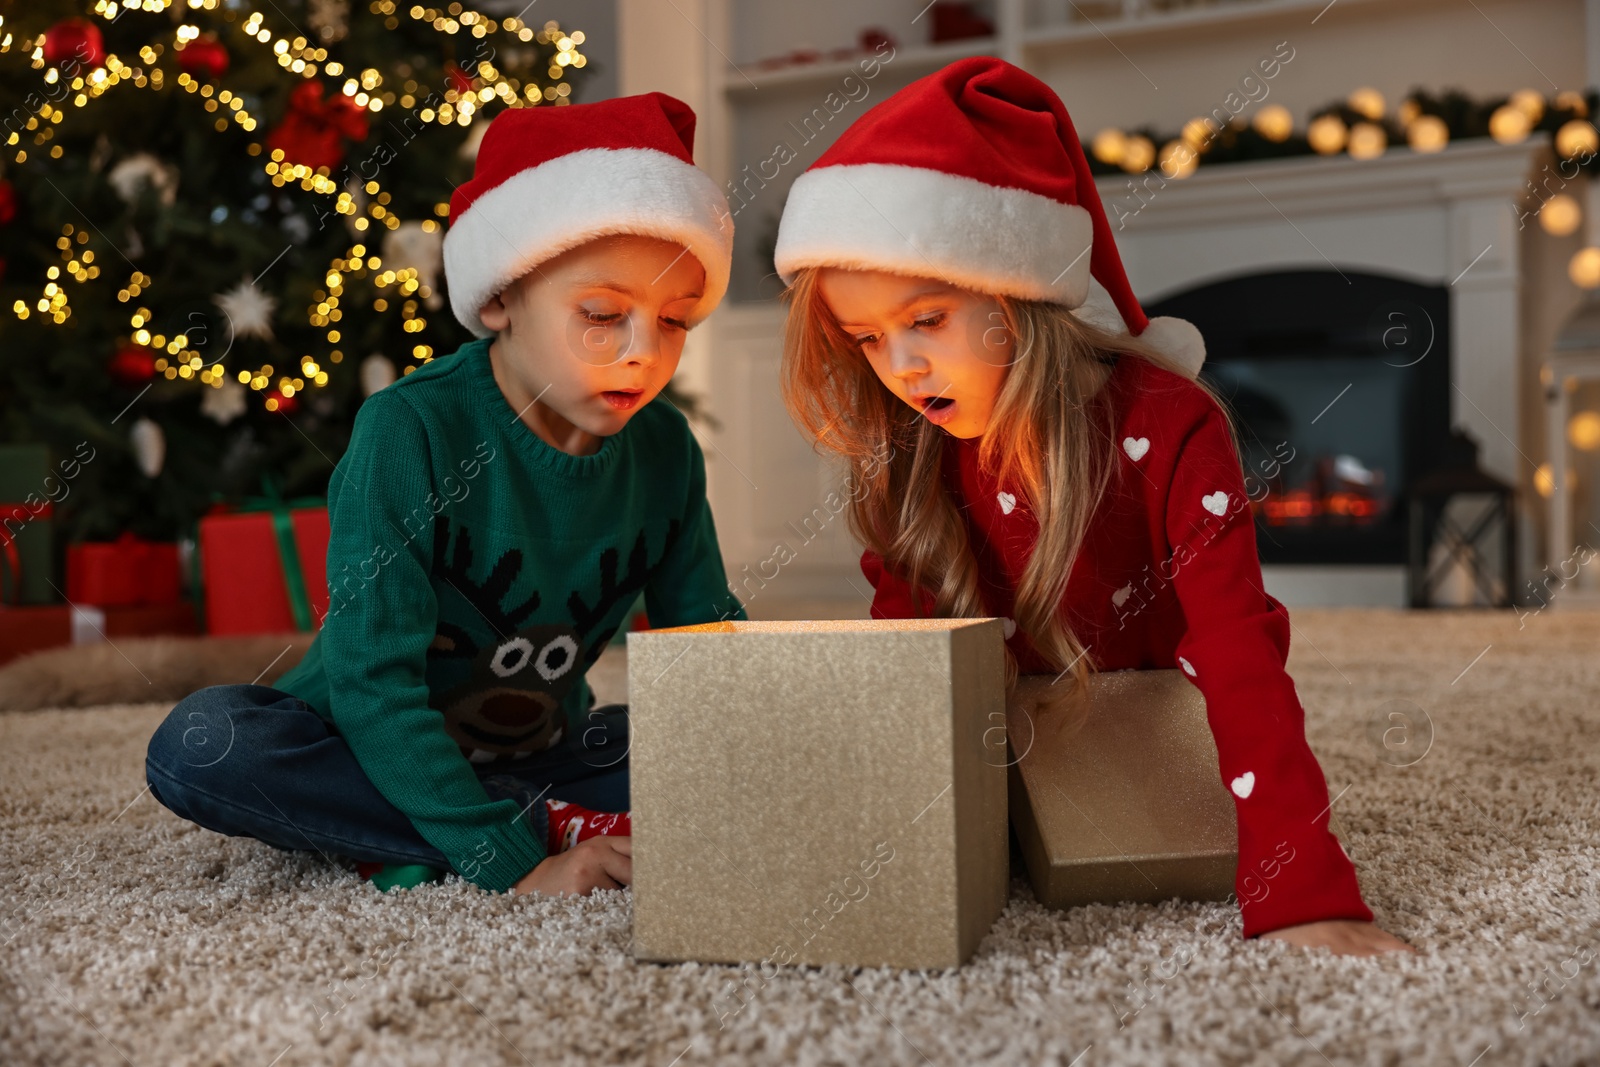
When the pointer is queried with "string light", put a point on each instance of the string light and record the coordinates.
(1428, 133)
(1274, 122)
(1561, 215)
(1367, 102)
(299, 56)
(1366, 138)
(1138, 154)
(1327, 134)
(1509, 124)
(1576, 136)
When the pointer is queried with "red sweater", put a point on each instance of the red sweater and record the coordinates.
(1168, 576)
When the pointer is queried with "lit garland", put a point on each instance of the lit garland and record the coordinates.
(1359, 127)
(298, 56)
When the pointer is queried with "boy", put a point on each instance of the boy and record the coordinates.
(493, 519)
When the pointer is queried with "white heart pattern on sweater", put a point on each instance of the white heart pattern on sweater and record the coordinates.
(1188, 668)
(1121, 595)
(1216, 503)
(1007, 502)
(1136, 447)
(1008, 627)
(1244, 785)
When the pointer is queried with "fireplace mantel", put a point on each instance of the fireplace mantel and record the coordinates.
(1319, 185)
(1449, 218)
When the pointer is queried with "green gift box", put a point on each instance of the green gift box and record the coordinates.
(28, 488)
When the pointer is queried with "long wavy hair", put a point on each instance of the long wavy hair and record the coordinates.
(1050, 435)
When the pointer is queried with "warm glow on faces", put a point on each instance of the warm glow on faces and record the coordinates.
(945, 351)
(589, 337)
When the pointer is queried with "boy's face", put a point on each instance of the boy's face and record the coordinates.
(943, 350)
(590, 336)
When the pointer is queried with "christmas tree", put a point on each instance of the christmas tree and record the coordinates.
(220, 228)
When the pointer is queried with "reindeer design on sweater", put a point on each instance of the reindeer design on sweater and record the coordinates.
(510, 704)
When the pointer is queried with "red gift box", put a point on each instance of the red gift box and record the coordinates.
(242, 561)
(34, 628)
(123, 573)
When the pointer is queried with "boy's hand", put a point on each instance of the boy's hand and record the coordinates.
(598, 863)
(1345, 937)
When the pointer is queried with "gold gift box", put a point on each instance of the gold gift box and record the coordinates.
(818, 792)
(1123, 801)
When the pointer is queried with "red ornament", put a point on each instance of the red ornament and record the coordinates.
(204, 57)
(286, 404)
(133, 365)
(458, 79)
(313, 130)
(8, 202)
(74, 41)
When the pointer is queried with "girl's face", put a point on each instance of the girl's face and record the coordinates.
(943, 350)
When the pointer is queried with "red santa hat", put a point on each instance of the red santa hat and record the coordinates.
(973, 174)
(549, 179)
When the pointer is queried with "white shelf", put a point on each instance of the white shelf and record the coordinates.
(1225, 13)
(919, 59)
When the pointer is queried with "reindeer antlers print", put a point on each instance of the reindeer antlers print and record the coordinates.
(612, 591)
(487, 594)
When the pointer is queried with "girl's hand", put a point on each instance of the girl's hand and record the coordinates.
(598, 863)
(1345, 937)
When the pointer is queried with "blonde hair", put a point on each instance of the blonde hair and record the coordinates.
(1050, 435)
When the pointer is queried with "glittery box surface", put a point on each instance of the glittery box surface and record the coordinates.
(1124, 802)
(818, 792)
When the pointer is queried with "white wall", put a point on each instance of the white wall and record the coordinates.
(1391, 46)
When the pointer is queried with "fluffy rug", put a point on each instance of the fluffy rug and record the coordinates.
(134, 938)
(144, 669)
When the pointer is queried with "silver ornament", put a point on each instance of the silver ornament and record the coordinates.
(149, 446)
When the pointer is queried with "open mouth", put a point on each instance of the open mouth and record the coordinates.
(623, 399)
(937, 409)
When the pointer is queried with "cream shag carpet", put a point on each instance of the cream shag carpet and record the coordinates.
(134, 938)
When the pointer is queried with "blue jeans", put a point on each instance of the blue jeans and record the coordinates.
(253, 761)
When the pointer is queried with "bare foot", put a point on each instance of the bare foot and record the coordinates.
(1345, 937)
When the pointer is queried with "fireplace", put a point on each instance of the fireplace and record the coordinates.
(1340, 384)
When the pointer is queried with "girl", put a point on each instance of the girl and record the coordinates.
(1065, 471)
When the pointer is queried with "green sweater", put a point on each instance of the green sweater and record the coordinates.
(475, 573)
